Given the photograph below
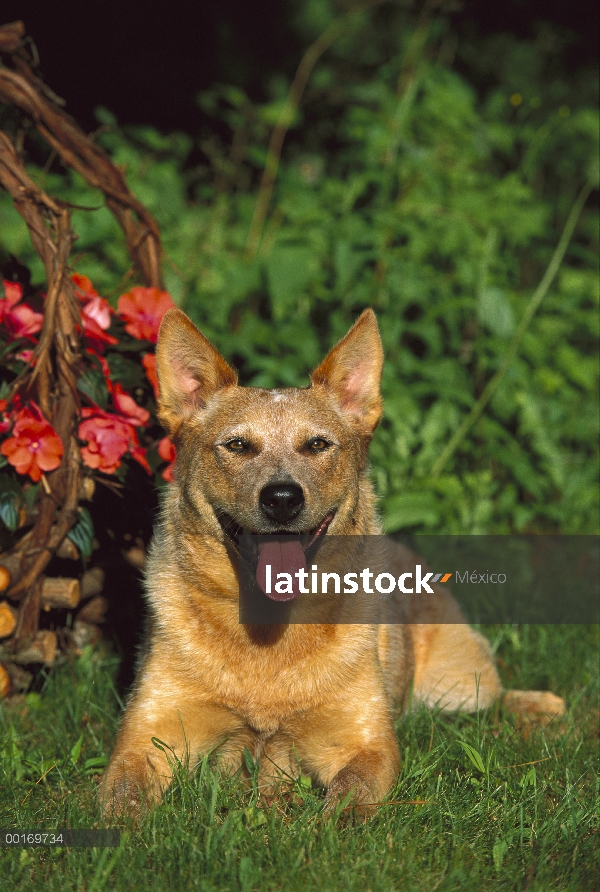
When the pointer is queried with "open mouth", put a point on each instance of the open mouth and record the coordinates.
(277, 560)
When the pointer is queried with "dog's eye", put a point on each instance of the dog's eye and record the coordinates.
(238, 445)
(318, 444)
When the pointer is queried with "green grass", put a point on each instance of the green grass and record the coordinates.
(501, 809)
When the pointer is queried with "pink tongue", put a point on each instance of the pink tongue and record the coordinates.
(283, 557)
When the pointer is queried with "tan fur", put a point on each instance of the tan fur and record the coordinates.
(320, 699)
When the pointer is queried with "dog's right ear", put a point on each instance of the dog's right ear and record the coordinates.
(190, 370)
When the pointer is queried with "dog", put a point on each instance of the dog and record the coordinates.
(318, 698)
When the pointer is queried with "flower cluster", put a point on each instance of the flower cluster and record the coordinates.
(34, 446)
(113, 424)
(16, 316)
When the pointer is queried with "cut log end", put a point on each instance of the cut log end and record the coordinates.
(5, 683)
(8, 620)
(4, 578)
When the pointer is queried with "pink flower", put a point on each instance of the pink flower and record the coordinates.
(35, 446)
(108, 438)
(166, 450)
(127, 406)
(149, 363)
(95, 314)
(13, 292)
(143, 310)
(97, 310)
(19, 319)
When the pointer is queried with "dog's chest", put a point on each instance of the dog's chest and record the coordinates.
(268, 685)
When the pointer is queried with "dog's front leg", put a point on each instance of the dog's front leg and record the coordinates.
(352, 749)
(365, 780)
(159, 729)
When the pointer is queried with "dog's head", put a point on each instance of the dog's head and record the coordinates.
(287, 461)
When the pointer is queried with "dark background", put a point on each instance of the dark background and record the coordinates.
(146, 63)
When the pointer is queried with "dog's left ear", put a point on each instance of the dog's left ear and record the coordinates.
(352, 372)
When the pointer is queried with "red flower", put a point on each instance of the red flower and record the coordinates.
(166, 450)
(105, 371)
(96, 314)
(143, 310)
(108, 437)
(149, 363)
(20, 321)
(83, 286)
(34, 446)
(127, 406)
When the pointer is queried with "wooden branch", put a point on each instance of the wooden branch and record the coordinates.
(42, 649)
(23, 89)
(92, 583)
(11, 37)
(51, 377)
(54, 372)
(60, 591)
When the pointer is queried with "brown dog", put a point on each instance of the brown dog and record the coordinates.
(318, 698)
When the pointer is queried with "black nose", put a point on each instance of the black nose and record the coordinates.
(281, 501)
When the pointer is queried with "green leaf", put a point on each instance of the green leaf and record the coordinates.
(9, 511)
(30, 495)
(10, 501)
(94, 765)
(410, 509)
(498, 852)
(76, 749)
(130, 373)
(253, 817)
(473, 755)
(249, 762)
(495, 312)
(82, 534)
(91, 383)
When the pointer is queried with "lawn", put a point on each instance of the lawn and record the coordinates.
(480, 802)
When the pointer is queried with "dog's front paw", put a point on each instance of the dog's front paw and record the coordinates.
(124, 793)
(122, 801)
(349, 787)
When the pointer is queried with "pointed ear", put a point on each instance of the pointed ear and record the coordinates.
(190, 370)
(352, 372)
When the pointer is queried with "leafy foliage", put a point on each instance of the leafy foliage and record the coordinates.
(403, 189)
(82, 533)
